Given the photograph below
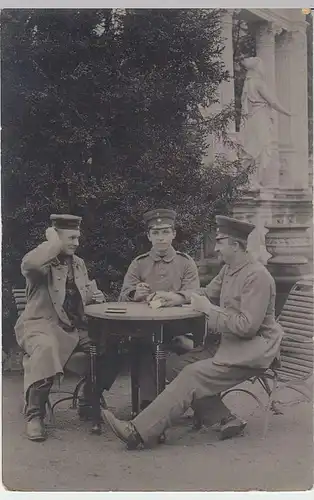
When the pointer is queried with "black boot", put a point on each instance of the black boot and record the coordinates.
(210, 411)
(144, 404)
(85, 404)
(35, 429)
(36, 400)
(85, 409)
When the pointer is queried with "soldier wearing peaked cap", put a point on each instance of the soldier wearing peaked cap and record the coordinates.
(250, 339)
(171, 276)
(52, 325)
(168, 275)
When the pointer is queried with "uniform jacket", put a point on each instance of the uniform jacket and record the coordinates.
(250, 335)
(41, 328)
(175, 272)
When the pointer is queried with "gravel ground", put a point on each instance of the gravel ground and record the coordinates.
(74, 460)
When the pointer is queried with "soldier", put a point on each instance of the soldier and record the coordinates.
(250, 337)
(52, 325)
(170, 276)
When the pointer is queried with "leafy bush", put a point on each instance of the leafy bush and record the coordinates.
(101, 118)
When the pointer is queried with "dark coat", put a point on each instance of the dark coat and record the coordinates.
(41, 328)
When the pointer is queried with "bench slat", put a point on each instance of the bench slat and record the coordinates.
(294, 326)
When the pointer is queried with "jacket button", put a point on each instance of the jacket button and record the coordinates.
(58, 278)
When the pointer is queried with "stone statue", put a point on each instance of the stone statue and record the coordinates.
(256, 243)
(256, 135)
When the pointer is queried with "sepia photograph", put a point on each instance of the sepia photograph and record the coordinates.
(157, 249)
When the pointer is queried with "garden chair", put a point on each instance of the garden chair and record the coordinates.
(296, 350)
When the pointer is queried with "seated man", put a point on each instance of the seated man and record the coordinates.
(170, 276)
(52, 326)
(250, 337)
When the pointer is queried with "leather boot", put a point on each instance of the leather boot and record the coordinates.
(209, 411)
(84, 404)
(35, 429)
(36, 400)
(144, 404)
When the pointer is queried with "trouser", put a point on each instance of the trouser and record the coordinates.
(107, 367)
(196, 380)
(210, 409)
(147, 364)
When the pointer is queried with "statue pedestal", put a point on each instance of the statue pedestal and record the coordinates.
(286, 214)
(275, 206)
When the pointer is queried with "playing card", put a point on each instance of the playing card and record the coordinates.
(93, 286)
(155, 304)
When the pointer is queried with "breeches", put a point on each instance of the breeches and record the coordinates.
(211, 408)
(195, 381)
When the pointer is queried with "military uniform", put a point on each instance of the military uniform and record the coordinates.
(172, 272)
(250, 338)
(53, 326)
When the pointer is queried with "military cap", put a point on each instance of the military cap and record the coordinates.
(226, 226)
(65, 221)
(159, 218)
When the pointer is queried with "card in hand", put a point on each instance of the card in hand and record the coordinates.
(155, 304)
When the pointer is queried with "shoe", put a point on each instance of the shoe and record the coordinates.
(85, 412)
(197, 423)
(231, 427)
(125, 431)
(35, 430)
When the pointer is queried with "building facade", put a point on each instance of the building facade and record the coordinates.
(284, 206)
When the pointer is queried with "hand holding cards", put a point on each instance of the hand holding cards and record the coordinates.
(97, 295)
(155, 304)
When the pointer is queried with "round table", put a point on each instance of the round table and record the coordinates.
(134, 321)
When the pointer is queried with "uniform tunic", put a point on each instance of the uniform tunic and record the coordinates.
(44, 330)
(175, 272)
(250, 335)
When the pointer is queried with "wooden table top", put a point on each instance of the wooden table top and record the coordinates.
(139, 312)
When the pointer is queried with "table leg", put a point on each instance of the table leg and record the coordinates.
(160, 369)
(160, 360)
(135, 387)
(96, 426)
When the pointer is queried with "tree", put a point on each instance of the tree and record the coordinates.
(101, 118)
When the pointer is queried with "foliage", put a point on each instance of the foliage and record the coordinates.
(101, 118)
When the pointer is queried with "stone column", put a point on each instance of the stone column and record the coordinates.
(286, 150)
(291, 65)
(265, 49)
(296, 157)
